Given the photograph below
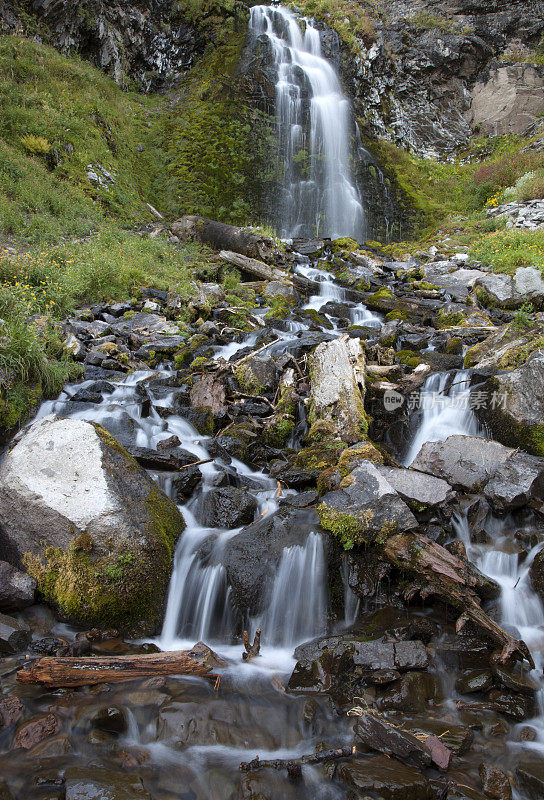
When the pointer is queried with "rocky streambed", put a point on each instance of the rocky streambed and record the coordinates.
(347, 457)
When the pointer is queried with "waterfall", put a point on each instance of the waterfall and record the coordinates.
(318, 195)
(443, 412)
(297, 607)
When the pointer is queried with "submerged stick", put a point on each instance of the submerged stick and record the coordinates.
(287, 763)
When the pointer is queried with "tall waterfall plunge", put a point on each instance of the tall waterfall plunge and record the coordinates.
(317, 194)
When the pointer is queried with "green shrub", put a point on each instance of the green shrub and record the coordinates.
(36, 145)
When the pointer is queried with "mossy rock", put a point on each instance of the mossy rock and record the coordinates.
(344, 243)
(352, 457)
(101, 552)
(320, 455)
(278, 430)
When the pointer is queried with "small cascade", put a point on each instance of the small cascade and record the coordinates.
(520, 606)
(317, 194)
(298, 601)
(444, 412)
(351, 601)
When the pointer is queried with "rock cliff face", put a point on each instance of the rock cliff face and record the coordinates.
(441, 69)
(148, 41)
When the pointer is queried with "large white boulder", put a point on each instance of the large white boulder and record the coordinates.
(89, 523)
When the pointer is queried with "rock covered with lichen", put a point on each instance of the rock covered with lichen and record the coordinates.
(89, 524)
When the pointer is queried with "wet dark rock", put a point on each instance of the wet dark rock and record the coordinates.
(495, 783)
(412, 693)
(537, 574)
(35, 730)
(200, 418)
(226, 507)
(365, 507)
(15, 635)
(473, 680)
(11, 710)
(17, 589)
(530, 775)
(48, 646)
(93, 393)
(377, 734)
(527, 734)
(366, 573)
(520, 479)
(96, 783)
(171, 459)
(121, 426)
(385, 777)
(395, 623)
(464, 652)
(458, 738)
(186, 483)
(302, 500)
(514, 705)
(339, 658)
(515, 680)
(251, 557)
(110, 719)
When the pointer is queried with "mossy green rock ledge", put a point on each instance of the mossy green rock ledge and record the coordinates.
(89, 524)
(365, 509)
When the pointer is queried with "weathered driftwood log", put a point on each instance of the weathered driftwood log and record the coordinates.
(67, 672)
(313, 758)
(253, 266)
(438, 572)
(380, 735)
(220, 236)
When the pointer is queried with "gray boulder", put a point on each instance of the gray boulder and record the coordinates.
(416, 487)
(251, 558)
(17, 589)
(365, 508)
(465, 461)
(511, 291)
(509, 479)
(516, 418)
(92, 527)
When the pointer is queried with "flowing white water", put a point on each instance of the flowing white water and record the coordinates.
(443, 412)
(298, 602)
(318, 195)
(520, 606)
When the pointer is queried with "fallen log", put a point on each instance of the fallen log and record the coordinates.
(322, 757)
(221, 236)
(253, 266)
(439, 573)
(71, 672)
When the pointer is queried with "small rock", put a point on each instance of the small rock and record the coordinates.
(17, 589)
(36, 730)
(15, 635)
(495, 783)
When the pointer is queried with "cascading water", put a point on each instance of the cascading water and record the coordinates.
(298, 602)
(318, 194)
(443, 412)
